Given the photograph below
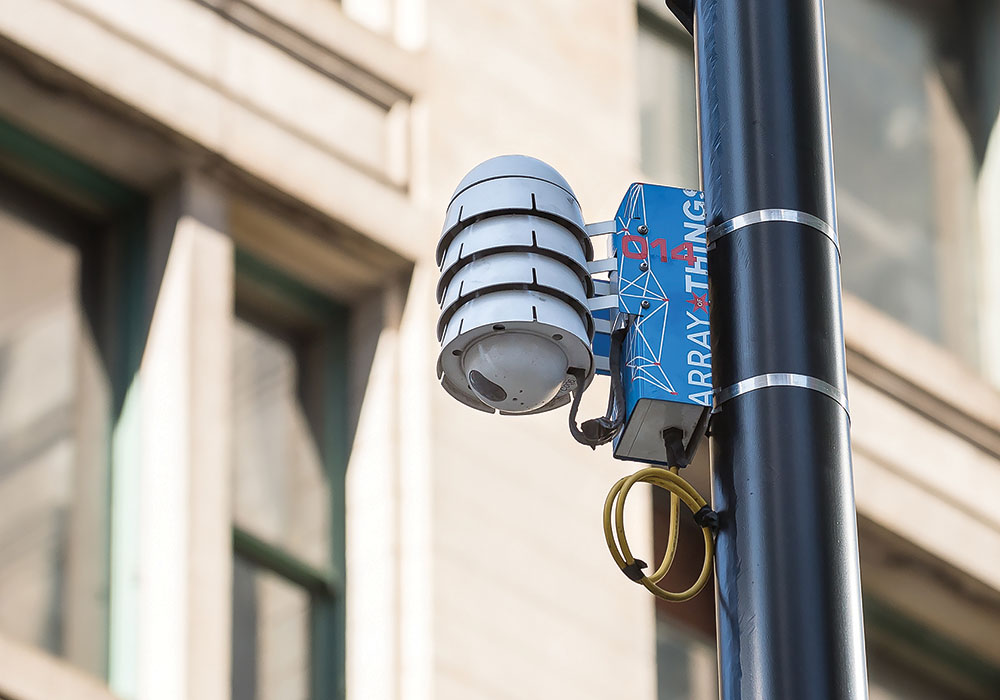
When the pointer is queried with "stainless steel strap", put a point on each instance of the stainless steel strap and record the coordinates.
(760, 216)
(762, 381)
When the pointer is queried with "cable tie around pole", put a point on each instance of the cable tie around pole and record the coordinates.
(706, 517)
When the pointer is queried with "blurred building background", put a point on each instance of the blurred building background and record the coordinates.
(226, 468)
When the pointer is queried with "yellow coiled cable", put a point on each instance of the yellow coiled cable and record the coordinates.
(680, 490)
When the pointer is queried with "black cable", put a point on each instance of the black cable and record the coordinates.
(599, 431)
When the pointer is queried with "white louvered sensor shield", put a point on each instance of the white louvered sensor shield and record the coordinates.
(515, 326)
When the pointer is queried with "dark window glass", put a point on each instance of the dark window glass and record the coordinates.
(668, 126)
(686, 665)
(270, 635)
(905, 171)
(54, 407)
(288, 530)
(282, 491)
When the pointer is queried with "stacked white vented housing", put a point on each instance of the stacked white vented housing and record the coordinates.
(515, 327)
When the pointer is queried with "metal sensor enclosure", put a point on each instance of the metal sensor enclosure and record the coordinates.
(515, 328)
(663, 286)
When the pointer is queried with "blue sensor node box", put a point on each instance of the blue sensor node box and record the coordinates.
(662, 284)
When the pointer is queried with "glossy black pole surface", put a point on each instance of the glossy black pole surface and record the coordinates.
(788, 588)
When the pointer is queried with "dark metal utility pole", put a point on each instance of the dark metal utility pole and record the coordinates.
(789, 592)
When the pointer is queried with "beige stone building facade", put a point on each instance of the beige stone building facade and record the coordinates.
(226, 467)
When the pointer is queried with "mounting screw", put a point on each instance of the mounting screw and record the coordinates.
(644, 304)
(643, 266)
(643, 230)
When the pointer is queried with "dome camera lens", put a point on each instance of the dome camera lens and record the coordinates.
(529, 366)
(485, 388)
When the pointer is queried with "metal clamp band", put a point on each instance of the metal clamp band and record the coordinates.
(760, 216)
(762, 381)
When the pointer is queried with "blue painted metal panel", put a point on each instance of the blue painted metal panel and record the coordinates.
(663, 287)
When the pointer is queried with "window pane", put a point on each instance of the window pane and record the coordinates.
(282, 494)
(685, 664)
(270, 636)
(54, 400)
(878, 56)
(905, 181)
(892, 679)
(667, 112)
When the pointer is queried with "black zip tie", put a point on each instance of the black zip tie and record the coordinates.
(634, 570)
(706, 517)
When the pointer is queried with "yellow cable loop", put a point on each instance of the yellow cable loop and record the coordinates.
(680, 490)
